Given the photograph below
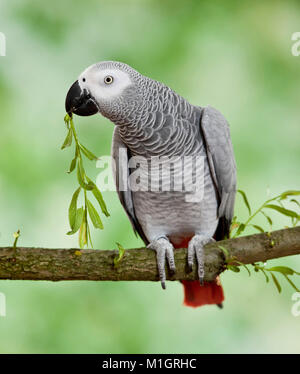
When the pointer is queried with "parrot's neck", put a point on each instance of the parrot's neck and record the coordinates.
(164, 124)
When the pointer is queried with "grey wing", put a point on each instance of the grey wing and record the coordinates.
(121, 155)
(216, 135)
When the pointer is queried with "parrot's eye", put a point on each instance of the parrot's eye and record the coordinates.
(83, 79)
(108, 80)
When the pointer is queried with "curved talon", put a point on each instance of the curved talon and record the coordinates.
(164, 249)
(190, 268)
(195, 248)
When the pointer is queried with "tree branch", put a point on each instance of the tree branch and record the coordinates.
(139, 264)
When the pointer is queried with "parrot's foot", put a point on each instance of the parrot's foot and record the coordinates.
(195, 247)
(164, 249)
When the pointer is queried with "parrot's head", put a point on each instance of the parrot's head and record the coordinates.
(111, 88)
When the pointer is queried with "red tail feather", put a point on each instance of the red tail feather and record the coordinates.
(196, 295)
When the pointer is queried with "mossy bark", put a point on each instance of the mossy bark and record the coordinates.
(139, 264)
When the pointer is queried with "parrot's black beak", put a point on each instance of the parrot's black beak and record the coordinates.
(80, 102)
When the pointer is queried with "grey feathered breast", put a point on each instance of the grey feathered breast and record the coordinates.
(216, 137)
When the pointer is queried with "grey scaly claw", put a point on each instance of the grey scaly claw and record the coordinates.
(164, 249)
(195, 248)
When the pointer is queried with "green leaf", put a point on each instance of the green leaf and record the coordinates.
(67, 119)
(73, 165)
(118, 259)
(285, 194)
(78, 221)
(95, 218)
(267, 217)
(295, 201)
(291, 283)
(241, 228)
(234, 268)
(73, 208)
(244, 265)
(260, 229)
(88, 153)
(89, 235)
(244, 196)
(282, 210)
(265, 274)
(68, 140)
(81, 176)
(284, 270)
(98, 196)
(276, 282)
(83, 234)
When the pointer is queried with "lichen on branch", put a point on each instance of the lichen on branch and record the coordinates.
(140, 264)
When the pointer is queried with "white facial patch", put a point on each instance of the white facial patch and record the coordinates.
(93, 79)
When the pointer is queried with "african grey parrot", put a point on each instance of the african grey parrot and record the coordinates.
(151, 120)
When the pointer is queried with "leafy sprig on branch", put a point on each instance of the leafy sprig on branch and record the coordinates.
(231, 263)
(275, 203)
(237, 228)
(78, 217)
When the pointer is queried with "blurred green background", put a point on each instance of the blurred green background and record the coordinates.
(235, 56)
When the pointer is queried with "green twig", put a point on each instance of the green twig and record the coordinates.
(78, 217)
